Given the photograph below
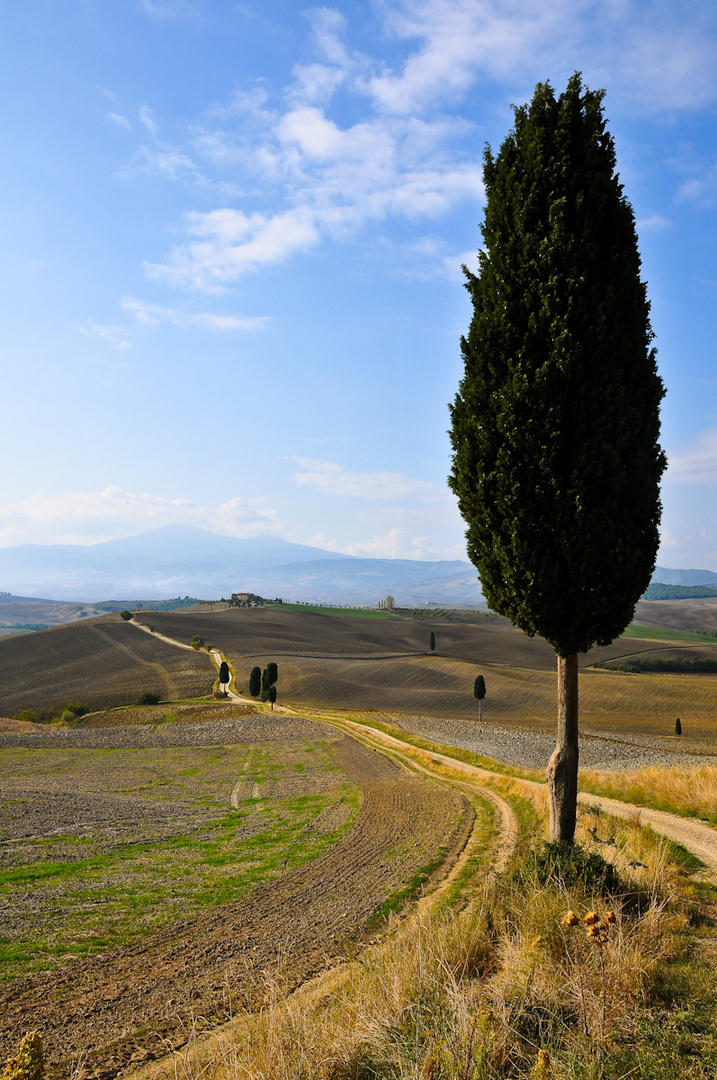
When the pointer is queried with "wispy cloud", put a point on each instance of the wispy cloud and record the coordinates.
(114, 335)
(90, 517)
(701, 188)
(302, 177)
(696, 464)
(152, 314)
(162, 10)
(658, 54)
(332, 479)
(231, 244)
(119, 119)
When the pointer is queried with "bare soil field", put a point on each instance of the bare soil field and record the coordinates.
(346, 663)
(256, 634)
(97, 829)
(102, 661)
(698, 614)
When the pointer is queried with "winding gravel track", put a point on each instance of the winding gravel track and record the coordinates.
(696, 836)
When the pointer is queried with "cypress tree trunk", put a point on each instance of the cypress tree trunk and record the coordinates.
(562, 772)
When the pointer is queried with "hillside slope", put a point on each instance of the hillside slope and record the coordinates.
(102, 662)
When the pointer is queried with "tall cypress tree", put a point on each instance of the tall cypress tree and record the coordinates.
(555, 427)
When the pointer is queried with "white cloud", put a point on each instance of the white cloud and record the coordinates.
(658, 54)
(334, 480)
(654, 223)
(306, 177)
(700, 188)
(695, 464)
(121, 120)
(395, 543)
(233, 244)
(146, 118)
(115, 335)
(167, 9)
(152, 314)
(90, 517)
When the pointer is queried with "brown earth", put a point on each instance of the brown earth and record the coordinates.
(102, 662)
(326, 660)
(257, 635)
(700, 614)
(104, 1013)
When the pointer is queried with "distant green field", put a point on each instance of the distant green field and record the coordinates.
(361, 613)
(660, 633)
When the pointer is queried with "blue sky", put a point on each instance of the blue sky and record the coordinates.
(231, 290)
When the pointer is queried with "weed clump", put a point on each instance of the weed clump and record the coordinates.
(570, 866)
(54, 714)
(147, 697)
(28, 1063)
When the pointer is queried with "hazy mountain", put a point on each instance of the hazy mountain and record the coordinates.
(177, 560)
(181, 559)
(684, 577)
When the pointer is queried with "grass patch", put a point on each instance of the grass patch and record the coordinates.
(177, 851)
(689, 792)
(393, 903)
(661, 633)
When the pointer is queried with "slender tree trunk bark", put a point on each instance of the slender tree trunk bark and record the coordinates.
(562, 772)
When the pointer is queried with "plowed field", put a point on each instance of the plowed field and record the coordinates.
(129, 1004)
(103, 662)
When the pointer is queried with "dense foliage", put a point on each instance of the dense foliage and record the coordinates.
(658, 591)
(555, 427)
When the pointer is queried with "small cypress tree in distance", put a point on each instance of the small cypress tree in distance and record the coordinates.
(272, 673)
(479, 692)
(555, 428)
(224, 675)
(265, 684)
(678, 726)
(432, 642)
(126, 615)
(255, 682)
(272, 696)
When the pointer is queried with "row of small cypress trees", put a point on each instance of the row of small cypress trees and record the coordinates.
(263, 683)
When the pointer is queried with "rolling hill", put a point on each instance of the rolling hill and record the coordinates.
(348, 663)
(102, 662)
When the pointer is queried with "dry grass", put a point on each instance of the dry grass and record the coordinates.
(691, 792)
(502, 989)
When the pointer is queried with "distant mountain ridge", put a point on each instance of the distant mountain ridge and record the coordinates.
(665, 576)
(182, 559)
(178, 560)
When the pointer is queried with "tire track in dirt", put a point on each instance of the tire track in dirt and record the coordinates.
(169, 682)
(698, 837)
(506, 828)
(133, 1004)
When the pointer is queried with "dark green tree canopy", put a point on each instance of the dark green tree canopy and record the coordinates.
(255, 682)
(555, 427)
(272, 673)
(223, 672)
(479, 687)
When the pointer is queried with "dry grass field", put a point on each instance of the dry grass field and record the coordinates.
(102, 662)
